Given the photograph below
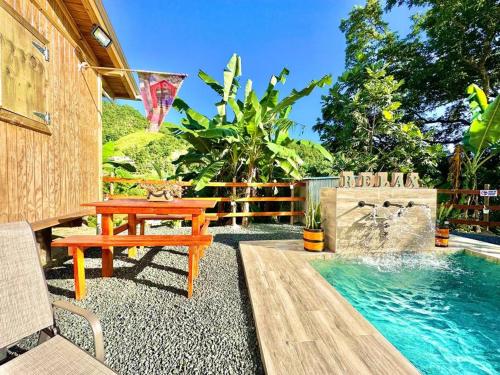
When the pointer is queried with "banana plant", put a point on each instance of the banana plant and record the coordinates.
(482, 138)
(253, 141)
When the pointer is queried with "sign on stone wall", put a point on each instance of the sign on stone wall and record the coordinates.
(379, 179)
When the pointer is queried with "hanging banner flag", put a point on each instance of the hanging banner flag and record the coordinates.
(158, 91)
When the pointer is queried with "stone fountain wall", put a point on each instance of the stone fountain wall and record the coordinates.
(353, 229)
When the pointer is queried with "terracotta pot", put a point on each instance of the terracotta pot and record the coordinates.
(442, 237)
(314, 239)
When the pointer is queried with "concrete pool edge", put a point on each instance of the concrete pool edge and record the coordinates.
(472, 247)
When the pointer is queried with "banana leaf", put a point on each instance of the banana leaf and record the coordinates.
(179, 128)
(218, 132)
(289, 168)
(476, 92)
(207, 174)
(484, 131)
(296, 95)
(324, 152)
(211, 82)
(233, 70)
(248, 89)
(284, 152)
(236, 109)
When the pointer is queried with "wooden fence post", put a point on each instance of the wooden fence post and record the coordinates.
(233, 204)
(292, 206)
(486, 201)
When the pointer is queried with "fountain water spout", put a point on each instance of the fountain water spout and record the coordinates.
(389, 204)
(413, 204)
(363, 204)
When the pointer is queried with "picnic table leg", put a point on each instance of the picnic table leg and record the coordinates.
(79, 272)
(197, 221)
(191, 262)
(204, 230)
(142, 229)
(107, 252)
(132, 230)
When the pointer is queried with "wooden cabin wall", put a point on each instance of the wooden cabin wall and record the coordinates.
(49, 176)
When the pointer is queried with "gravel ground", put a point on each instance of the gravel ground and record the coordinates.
(150, 327)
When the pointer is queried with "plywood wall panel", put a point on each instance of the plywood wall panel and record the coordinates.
(4, 190)
(12, 175)
(48, 176)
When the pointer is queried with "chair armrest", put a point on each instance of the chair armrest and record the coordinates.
(94, 324)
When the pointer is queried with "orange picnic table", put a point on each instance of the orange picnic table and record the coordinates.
(191, 209)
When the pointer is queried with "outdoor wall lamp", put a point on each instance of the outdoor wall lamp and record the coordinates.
(101, 36)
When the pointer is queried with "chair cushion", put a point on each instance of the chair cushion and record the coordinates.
(53, 357)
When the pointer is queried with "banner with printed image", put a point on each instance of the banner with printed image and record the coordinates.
(158, 92)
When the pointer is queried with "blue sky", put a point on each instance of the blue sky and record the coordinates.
(186, 35)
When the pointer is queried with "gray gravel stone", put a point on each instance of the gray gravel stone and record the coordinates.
(150, 327)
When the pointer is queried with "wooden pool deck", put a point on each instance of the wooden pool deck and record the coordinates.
(304, 325)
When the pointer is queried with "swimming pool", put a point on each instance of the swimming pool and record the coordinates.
(441, 311)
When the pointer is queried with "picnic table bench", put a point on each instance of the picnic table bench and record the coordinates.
(140, 210)
(142, 218)
(77, 244)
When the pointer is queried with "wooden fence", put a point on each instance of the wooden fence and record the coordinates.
(232, 198)
(484, 205)
(293, 196)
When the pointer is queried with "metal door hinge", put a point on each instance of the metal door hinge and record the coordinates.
(44, 116)
(43, 50)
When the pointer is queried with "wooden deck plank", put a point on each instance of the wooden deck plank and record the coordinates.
(304, 325)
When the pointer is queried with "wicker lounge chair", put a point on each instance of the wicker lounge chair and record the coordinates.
(25, 309)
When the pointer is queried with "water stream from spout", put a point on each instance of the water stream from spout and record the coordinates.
(395, 230)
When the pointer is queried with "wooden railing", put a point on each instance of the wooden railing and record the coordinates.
(455, 194)
(233, 186)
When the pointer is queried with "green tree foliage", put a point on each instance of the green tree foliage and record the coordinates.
(157, 159)
(252, 143)
(367, 131)
(120, 120)
(453, 43)
(131, 151)
(314, 163)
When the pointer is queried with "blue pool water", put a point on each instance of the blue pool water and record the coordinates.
(441, 311)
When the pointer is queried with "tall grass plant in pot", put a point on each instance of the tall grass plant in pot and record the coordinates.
(314, 236)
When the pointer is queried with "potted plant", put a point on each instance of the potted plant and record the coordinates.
(165, 191)
(443, 225)
(314, 237)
